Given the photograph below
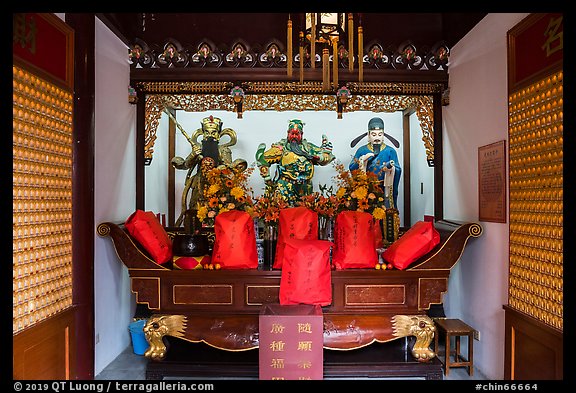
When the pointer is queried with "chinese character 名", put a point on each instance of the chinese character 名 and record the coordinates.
(554, 36)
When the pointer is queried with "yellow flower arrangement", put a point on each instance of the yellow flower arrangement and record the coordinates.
(360, 191)
(228, 190)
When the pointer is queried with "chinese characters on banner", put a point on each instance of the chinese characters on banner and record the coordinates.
(291, 342)
(536, 50)
(492, 182)
(44, 42)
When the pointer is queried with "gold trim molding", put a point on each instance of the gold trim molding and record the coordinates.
(202, 102)
(286, 88)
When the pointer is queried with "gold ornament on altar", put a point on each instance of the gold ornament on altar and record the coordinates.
(159, 326)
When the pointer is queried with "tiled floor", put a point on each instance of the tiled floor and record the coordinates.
(129, 366)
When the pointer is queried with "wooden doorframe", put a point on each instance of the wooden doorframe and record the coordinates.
(61, 345)
(83, 190)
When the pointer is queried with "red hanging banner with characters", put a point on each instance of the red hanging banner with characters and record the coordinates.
(44, 43)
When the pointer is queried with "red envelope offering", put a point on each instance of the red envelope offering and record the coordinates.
(235, 241)
(294, 223)
(306, 275)
(355, 244)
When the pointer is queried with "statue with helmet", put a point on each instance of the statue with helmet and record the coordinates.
(295, 158)
(209, 153)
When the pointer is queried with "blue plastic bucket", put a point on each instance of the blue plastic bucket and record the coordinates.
(139, 343)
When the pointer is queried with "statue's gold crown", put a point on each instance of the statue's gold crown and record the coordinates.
(211, 122)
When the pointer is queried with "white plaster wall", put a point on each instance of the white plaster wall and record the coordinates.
(114, 194)
(421, 176)
(156, 174)
(477, 116)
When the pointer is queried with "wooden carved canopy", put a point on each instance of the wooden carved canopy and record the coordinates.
(422, 104)
(200, 78)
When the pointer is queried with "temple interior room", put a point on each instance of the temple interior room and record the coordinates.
(288, 196)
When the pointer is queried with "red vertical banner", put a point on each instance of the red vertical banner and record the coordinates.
(535, 48)
(44, 42)
(291, 342)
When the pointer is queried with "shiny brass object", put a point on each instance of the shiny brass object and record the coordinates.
(419, 326)
(159, 326)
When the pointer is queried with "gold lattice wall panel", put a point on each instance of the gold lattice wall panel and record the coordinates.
(42, 199)
(536, 195)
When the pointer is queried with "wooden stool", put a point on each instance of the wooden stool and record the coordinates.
(456, 328)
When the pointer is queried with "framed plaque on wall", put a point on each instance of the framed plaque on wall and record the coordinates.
(492, 182)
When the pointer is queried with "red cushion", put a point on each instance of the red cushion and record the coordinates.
(416, 242)
(191, 263)
(147, 230)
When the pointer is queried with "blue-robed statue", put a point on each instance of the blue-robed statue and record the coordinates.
(379, 158)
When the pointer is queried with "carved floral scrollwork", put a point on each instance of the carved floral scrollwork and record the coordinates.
(240, 56)
(407, 56)
(272, 56)
(438, 56)
(425, 115)
(140, 54)
(287, 97)
(377, 57)
(172, 54)
(206, 56)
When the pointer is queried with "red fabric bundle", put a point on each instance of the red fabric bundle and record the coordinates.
(235, 241)
(306, 275)
(294, 223)
(416, 242)
(147, 230)
(378, 238)
(354, 238)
